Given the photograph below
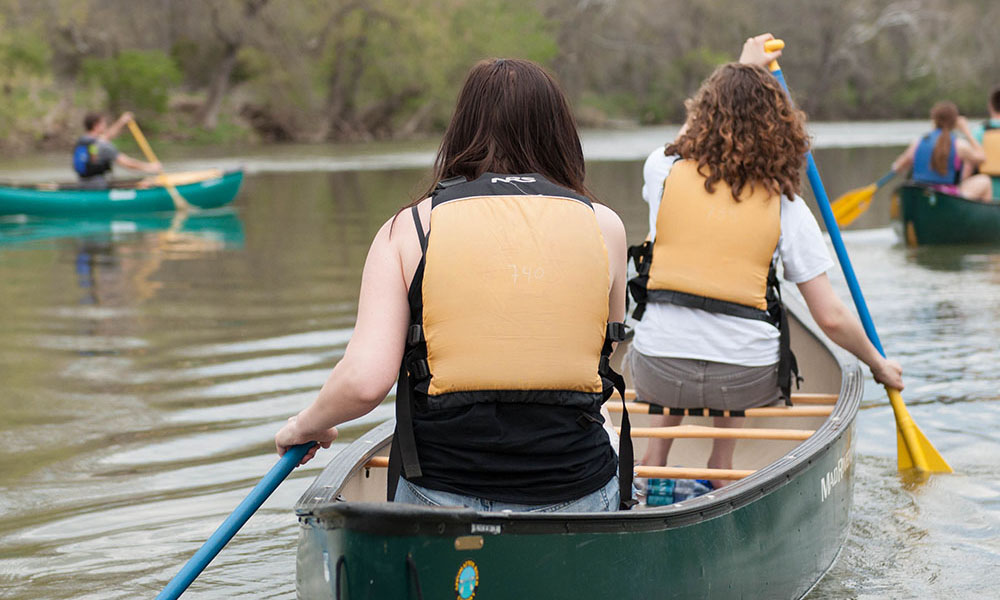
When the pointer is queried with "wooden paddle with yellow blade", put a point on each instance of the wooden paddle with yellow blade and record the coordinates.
(179, 202)
(854, 203)
(914, 451)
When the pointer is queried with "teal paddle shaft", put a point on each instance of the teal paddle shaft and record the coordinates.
(838, 242)
(213, 545)
(884, 179)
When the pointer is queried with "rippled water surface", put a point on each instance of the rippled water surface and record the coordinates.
(145, 365)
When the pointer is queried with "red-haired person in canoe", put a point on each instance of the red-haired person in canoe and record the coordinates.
(723, 211)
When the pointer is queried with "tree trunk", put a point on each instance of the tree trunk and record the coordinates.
(209, 114)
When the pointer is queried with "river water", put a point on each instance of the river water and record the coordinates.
(146, 364)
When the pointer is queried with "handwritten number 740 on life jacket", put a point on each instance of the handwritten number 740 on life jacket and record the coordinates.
(526, 273)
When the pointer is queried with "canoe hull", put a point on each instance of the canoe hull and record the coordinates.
(210, 193)
(930, 217)
(778, 546)
(771, 535)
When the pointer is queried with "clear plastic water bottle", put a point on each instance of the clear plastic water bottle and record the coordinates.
(685, 489)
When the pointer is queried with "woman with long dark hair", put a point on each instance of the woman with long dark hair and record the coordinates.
(937, 157)
(723, 209)
(492, 302)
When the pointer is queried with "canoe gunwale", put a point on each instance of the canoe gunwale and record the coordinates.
(132, 183)
(318, 505)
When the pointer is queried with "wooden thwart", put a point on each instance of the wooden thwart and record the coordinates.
(796, 398)
(686, 473)
(377, 462)
(640, 408)
(730, 433)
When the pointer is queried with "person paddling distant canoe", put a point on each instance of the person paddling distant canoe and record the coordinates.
(988, 136)
(723, 209)
(494, 300)
(94, 155)
(937, 158)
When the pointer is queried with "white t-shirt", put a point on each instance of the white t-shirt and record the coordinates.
(673, 331)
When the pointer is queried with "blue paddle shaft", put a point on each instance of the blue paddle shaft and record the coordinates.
(838, 242)
(885, 179)
(234, 522)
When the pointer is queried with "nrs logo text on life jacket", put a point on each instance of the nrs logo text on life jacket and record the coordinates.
(513, 180)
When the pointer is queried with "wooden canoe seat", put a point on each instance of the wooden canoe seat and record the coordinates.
(639, 408)
(729, 433)
(381, 462)
(796, 398)
(686, 473)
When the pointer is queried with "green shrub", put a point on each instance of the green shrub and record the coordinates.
(136, 80)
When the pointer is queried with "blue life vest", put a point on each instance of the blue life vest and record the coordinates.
(85, 158)
(922, 171)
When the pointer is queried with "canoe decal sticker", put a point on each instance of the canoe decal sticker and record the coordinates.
(121, 195)
(466, 581)
(836, 474)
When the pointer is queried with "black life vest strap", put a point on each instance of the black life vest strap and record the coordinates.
(613, 381)
(403, 459)
(420, 229)
(642, 256)
(712, 305)
(788, 365)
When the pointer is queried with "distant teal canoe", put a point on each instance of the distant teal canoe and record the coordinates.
(216, 189)
(930, 217)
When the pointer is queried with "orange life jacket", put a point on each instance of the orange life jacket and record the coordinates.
(509, 304)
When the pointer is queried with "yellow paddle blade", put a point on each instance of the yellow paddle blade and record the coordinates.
(851, 205)
(914, 450)
(935, 462)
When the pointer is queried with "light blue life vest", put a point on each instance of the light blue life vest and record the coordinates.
(922, 171)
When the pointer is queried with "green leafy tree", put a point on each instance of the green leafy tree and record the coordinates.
(135, 79)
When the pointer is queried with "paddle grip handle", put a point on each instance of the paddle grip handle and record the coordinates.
(774, 46)
(214, 544)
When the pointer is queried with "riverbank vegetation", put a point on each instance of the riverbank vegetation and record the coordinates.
(243, 71)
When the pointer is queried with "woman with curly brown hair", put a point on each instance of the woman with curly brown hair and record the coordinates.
(723, 209)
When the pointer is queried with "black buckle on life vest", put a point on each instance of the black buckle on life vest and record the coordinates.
(604, 367)
(418, 368)
(451, 181)
(616, 332)
(415, 335)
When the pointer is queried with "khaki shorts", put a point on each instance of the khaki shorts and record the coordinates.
(688, 383)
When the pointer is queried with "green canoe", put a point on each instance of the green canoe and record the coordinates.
(59, 200)
(772, 534)
(930, 217)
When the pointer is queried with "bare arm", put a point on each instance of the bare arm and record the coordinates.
(137, 165)
(837, 322)
(969, 150)
(614, 239)
(904, 161)
(366, 373)
(115, 128)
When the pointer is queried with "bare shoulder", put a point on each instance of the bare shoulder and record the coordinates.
(609, 221)
(400, 229)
